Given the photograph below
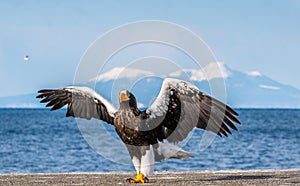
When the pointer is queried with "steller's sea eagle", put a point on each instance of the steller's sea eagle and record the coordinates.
(150, 135)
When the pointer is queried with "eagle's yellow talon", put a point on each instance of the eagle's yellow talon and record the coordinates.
(140, 178)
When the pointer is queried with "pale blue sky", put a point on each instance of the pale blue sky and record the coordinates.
(262, 35)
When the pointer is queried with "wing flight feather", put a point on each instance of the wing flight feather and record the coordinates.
(82, 102)
(180, 107)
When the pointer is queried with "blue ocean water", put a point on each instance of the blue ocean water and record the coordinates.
(37, 140)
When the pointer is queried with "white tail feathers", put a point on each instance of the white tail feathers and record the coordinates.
(167, 150)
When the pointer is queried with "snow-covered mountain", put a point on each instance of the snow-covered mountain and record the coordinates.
(243, 89)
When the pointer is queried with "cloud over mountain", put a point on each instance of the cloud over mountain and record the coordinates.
(209, 72)
(269, 87)
(254, 73)
(121, 72)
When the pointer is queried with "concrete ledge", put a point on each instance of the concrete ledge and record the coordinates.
(233, 177)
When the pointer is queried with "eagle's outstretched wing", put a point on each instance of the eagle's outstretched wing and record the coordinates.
(180, 107)
(82, 102)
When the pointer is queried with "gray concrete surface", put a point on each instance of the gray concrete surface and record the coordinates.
(251, 177)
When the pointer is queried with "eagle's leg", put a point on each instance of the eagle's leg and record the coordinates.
(140, 178)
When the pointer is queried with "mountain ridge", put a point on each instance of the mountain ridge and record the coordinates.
(243, 89)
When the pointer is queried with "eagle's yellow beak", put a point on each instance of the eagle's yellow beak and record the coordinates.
(123, 96)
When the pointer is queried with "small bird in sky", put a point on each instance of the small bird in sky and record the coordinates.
(26, 58)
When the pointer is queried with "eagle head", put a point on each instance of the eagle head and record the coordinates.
(126, 96)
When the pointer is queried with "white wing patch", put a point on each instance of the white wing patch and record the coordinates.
(160, 106)
(90, 92)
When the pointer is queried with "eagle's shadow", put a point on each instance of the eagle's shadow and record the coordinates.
(220, 178)
(241, 177)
